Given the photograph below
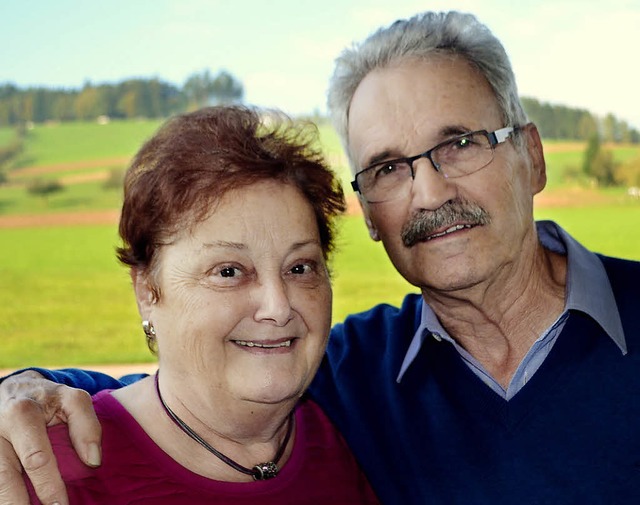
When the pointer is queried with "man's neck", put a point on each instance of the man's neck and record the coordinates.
(498, 322)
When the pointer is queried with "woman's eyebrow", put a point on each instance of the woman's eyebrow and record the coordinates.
(223, 244)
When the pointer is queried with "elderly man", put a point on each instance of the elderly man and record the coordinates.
(514, 377)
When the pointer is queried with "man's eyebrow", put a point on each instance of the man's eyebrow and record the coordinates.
(452, 131)
(377, 158)
(444, 133)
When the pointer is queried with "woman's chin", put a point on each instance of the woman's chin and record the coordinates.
(271, 394)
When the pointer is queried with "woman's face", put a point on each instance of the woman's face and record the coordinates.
(244, 310)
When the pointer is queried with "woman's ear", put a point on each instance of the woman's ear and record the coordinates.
(146, 296)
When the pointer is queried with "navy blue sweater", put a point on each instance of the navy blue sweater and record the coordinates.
(571, 435)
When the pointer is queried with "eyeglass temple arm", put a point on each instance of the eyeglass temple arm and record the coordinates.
(499, 136)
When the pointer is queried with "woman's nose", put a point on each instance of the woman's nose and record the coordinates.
(273, 303)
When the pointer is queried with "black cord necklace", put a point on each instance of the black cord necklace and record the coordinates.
(261, 471)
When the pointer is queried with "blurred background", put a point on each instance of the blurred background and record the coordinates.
(83, 84)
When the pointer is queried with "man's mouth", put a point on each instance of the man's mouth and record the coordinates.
(455, 228)
(450, 218)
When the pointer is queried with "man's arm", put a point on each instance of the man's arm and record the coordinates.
(29, 402)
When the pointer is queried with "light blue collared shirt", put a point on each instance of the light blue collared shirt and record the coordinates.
(587, 289)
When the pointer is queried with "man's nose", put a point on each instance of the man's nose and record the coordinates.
(430, 189)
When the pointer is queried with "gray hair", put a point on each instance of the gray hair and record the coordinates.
(420, 36)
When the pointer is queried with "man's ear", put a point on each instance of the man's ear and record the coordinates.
(146, 296)
(373, 232)
(536, 155)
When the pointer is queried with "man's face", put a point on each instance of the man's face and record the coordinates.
(409, 107)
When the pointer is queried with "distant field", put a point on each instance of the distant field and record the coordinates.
(65, 300)
(6, 136)
(82, 155)
(84, 141)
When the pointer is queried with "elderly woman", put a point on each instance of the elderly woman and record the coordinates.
(226, 226)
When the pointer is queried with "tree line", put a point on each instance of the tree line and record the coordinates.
(131, 98)
(561, 122)
(154, 98)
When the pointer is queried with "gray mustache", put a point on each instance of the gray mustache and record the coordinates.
(425, 223)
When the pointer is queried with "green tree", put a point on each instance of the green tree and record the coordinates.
(629, 173)
(44, 188)
(590, 154)
(128, 104)
(603, 168)
(197, 89)
(226, 89)
(624, 132)
(610, 128)
(201, 89)
(90, 103)
(587, 126)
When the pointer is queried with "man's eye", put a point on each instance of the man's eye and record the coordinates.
(386, 169)
(464, 143)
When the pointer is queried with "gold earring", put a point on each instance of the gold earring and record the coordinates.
(149, 333)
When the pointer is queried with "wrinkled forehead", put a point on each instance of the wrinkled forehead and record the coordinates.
(405, 107)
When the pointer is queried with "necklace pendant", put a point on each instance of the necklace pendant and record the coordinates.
(265, 471)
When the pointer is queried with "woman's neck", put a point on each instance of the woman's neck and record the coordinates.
(245, 432)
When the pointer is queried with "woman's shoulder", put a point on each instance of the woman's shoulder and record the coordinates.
(71, 466)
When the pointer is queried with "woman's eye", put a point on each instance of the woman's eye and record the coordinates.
(302, 268)
(228, 272)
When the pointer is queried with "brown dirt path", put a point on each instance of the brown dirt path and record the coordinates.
(565, 198)
(68, 166)
(60, 219)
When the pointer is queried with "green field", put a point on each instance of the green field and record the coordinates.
(69, 142)
(64, 299)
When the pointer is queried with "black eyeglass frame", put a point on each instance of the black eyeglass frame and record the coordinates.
(495, 137)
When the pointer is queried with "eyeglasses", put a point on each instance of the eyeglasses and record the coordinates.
(455, 157)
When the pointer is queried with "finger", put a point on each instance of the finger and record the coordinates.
(12, 487)
(84, 428)
(31, 444)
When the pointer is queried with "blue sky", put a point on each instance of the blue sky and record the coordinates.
(579, 53)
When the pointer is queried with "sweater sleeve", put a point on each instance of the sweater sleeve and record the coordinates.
(90, 381)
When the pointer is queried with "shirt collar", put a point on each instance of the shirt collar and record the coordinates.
(588, 290)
